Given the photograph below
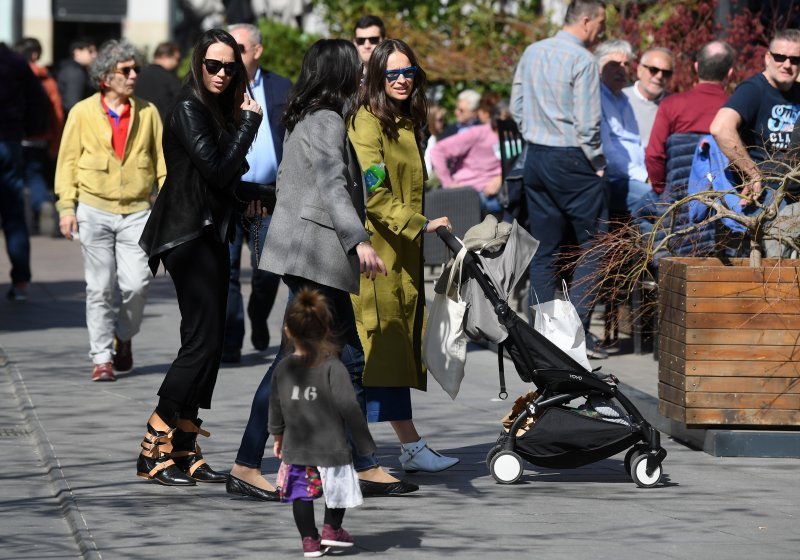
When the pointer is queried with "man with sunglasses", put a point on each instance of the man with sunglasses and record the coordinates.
(754, 127)
(653, 75)
(109, 161)
(269, 90)
(368, 33)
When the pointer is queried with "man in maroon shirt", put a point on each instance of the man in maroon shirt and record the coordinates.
(690, 111)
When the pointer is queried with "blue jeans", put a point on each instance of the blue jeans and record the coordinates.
(564, 195)
(254, 440)
(37, 170)
(12, 210)
(264, 285)
(490, 204)
(626, 195)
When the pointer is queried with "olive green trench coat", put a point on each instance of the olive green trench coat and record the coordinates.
(390, 312)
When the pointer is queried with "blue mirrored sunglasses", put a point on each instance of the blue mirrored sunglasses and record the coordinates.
(408, 73)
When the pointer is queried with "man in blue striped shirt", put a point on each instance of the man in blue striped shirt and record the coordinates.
(555, 99)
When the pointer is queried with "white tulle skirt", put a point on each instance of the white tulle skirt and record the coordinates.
(340, 486)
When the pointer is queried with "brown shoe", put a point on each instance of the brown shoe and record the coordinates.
(103, 372)
(123, 355)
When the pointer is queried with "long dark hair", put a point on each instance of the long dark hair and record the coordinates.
(308, 320)
(373, 93)
(225, 107)
(328, 80)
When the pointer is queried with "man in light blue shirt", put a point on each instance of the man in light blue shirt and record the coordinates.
(270, 91)
(626, 172)
(555, 99)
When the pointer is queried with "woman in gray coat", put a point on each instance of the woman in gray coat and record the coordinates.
(317, 239)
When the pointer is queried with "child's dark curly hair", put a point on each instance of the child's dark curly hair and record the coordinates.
(308, 321)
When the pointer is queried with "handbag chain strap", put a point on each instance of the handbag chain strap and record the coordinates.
(253, 227)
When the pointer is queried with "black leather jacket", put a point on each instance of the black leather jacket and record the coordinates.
(204, 165)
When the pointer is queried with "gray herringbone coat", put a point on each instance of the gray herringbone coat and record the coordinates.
(319, 215)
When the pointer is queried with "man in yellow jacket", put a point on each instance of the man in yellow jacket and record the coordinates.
(109, 161)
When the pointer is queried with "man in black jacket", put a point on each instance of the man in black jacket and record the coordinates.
(270, 91)
(157, 82)
(73, 73)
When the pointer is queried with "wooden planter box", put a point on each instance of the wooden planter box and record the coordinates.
(729, 342)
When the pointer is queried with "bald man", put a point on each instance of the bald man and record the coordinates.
(691, 111)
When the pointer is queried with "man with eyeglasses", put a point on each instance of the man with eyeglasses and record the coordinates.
(269, 90)
(368, 33)
(654, 73)
(754, 127)
(109, 161)
(564, 163)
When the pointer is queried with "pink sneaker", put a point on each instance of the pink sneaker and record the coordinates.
(336, 537)
(311, 548)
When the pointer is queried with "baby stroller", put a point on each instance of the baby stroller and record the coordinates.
(548, 432)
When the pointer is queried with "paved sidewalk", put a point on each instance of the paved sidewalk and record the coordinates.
(68, 449)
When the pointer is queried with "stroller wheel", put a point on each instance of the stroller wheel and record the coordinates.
(632, 453)
(639, 472)
(506, 467)
(492, 452)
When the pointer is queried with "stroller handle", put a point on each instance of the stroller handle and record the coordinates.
(449, 239)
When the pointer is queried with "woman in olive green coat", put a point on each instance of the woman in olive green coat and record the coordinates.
(390, 311)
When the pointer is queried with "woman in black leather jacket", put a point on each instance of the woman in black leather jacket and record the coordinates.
(206, 137)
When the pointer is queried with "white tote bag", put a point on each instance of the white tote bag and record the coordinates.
(560, 323)
(444, 347)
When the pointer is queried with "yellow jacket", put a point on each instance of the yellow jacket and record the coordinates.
(90, 172)
(390, 311)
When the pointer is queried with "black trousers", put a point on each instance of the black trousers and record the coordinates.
(199, 270)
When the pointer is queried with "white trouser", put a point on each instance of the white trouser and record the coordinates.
(112, 257)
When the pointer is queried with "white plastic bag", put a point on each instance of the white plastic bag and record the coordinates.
(444, 346)
(559, 321)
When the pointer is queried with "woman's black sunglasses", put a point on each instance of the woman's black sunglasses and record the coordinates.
(214, 66)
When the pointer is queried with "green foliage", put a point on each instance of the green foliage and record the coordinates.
(284, 47)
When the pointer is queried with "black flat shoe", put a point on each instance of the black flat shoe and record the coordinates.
(239, 487)
(369, 488)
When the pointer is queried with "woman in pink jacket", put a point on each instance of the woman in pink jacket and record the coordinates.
(471, 158)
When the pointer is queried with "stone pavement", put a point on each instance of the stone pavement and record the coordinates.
(68, 449)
